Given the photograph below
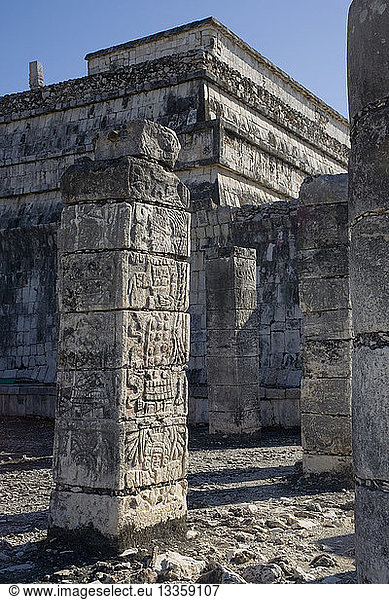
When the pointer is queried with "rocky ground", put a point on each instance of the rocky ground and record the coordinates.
(253, 518)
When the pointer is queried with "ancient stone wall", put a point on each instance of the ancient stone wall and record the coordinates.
(368, 76)
(121, 437)
(325, 302)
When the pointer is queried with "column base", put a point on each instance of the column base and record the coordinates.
(113, 523)
(326, 464)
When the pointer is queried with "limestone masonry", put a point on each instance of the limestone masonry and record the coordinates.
(249, 137)
(121, 436)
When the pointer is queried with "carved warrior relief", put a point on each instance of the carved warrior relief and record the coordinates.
(157, 339)
(160, 230)
(155, 455)
(87, 456)
(123, 279)
(157, 283)
(150, 183)
(123, 338)
(123, 392)
(156, 392)
(91, 457)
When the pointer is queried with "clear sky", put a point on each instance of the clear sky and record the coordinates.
(306, 38)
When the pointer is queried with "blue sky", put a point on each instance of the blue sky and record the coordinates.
(306, 38)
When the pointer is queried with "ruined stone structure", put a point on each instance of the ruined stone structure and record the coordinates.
(121, 435)
(325, 302)
(249, 137)
(368, 72)
(232, 341)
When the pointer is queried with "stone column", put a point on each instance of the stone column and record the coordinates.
(121, 438)
(325, 303)
(232, 341)
(368, 72)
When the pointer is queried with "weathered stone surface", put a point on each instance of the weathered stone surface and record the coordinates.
(121, 433)
(327, 358)
(138, 281)
(327, 396)
(370, 410)
(120, 338)
(112, 226)
(115, 457)
(124, 394)
(324, 292)
(329, 324)
(368, 87)
(328, 463)
(117, 521)
(322, 226)
(368, 69)
(139, 138)
(327, 189)
(368, 162)
(369, 271)
(372, 533)
(120, 179)
(232, 352)
(326, 434)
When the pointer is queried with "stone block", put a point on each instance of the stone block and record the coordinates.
(115, 339)
(369, 274)
(322, 226)
(121, 279)
(368, 164)
(326, 396)
(317, 464)
(121, 225)
(122, 179)
(326, 434)
(368, 69)
(160, 230)
(371, 411)
(323, 262)
(232, 343)
(330, 324)
(232, 371)
(327, 358)
(122, 394)
(126, 457)
(240, 299)
(280, 412)
(320, 294)
(234, 319)
(118, 522)
(95, 227)
(227, 398)
(231, 273)
(139, 138)
(235, 423)
(324, 189)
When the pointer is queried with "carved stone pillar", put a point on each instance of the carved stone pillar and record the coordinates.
(121, 436)
(325, 303)
(232, 341)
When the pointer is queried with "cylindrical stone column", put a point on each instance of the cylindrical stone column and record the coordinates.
(120, 446)
(325, 303)
(368, 74)
(232, 341)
